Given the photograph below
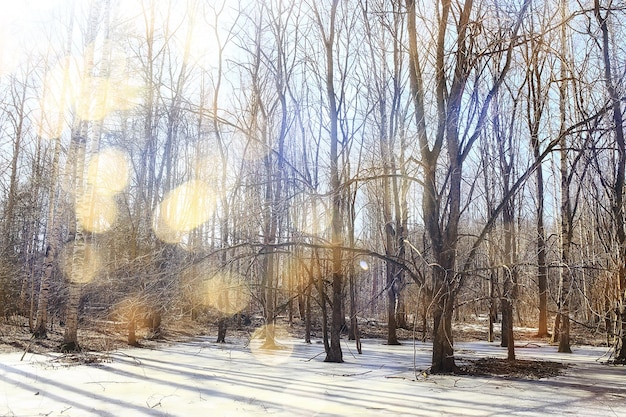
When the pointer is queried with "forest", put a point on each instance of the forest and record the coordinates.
(332, 163)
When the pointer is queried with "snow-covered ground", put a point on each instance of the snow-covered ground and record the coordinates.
(201, 378)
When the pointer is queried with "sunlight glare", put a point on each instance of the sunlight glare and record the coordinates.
(92, 97)
(364, 265)
(252, 148)
(9, 52)
(108, 172)
(312, 218)
(56, 97)
(80, 262)
(113, 91)
(98, 100)
(183, 209)
(197, 43)
(96, 212)
(133, 308)
(227, 293)
(267, 353)
(206, 166)
(49, 123)
(164, 231)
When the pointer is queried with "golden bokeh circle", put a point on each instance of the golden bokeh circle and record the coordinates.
(96, 213)
(183, 209)
(228, 293)
(108, 171)
(268, 350)
(80, 262)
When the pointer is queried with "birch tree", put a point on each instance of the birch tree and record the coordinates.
(50, 125)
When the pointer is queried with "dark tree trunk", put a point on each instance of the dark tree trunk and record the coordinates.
(334, 354)
(307, 314)
(620, 351)
(617, 198)
(302, 303)
(443, 351)
(567, 211)
(222, 326)
(392, 337)
(564, 339)
(324, 305)
(543, 301)
(442, 204)
(493, 305)
(534, 115)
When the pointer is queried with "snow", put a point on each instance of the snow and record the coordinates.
(201, 378)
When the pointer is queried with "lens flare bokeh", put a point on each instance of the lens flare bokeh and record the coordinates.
(271, 345)
(182, 210)
(227, 293)
(108, 172)
(96, 213)
(80, 262)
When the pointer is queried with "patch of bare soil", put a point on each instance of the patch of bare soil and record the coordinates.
(518, 369)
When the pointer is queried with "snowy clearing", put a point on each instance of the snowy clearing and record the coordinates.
(201, 378)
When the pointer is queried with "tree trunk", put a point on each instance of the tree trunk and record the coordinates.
(40, 329)
(508, 339)
(617, 198)
(70, 335)
(334, 354)
(132, 332)
(556, 330)
(392, 337)
(307, 312)
(353, 331)
(221, 330)
(542, 264)
(506, 153)
(9, 210)
(567, 214)
(493, 310)
(443, 351)
(52, 223)
(534, 113)
(620, 350)
(542, 281)
(321, 291)
(353, 310)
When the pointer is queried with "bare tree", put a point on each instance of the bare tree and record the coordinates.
(328, 33)
(603, 15)
(389, 119)
(55, 194)
(442, 206)
(535, 109)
